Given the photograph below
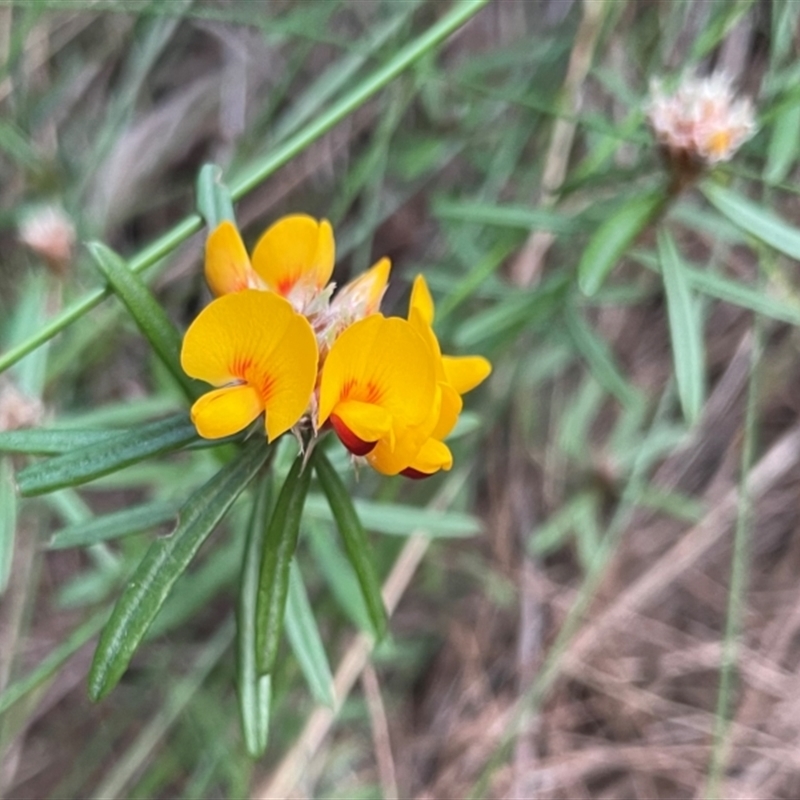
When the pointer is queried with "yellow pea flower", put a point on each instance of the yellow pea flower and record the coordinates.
(378, 379)
(262, 354)
(293, 258)
(423, 449)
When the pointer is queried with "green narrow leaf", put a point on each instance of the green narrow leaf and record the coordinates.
(685, 329)
(165, 561)
(338, 574)
(147, 313)
(731, 291)
(41, 441)
(280, 542)
(745, 296)
(114, 526)
(614, 236)
(784, 144)
(8, 521)
(755, 220)
(528, 308)
(396, 519)
(521, 218)
(305, 639)
(88, 463)
(599, 358)
(254, 690)
(213, 197)
(355, 541)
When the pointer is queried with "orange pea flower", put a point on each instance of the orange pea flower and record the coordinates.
(263, 356)
(378, 382)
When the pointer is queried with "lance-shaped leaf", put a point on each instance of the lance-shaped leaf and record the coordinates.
(685, 330)
(754, 219)
(48, 442)
(305, 639)
(213, 197)
(165, 561)
(614, 237)
(147, 313)
(8, 521)
(355, 541)
(254, 690)
(112, 454)
(114, 526)
(279, 546)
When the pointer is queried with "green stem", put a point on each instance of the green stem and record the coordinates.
(437, 33)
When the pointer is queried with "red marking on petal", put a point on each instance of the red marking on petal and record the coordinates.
(415, 474)
(355, 445)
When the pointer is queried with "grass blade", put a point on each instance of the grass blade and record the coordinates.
(280, 542)
(8, 521)
(165, 561)
(753, 219)
(305, 639)
(614, 236)
(254, 690)
(88, 463)
(147, 313)
(114, 526)
(355, 542)
(685, 328)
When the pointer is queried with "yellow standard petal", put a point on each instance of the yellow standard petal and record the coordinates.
(227, 265)
(255, 339)
(295, 250)
(380, 362)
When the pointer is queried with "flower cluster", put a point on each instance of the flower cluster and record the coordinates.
(702, 119)
(277, 341)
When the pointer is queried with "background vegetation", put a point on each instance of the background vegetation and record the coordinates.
(600, 600)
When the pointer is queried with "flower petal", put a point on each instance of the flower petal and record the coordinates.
(392, 455)
(360, 425)
(227, 265)
(362, 296)
(256, 338)
(433, 456)
(224, 412)
(421, 300)
(295, 249)
(464, 373)
(450, 409)
(384, 362)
